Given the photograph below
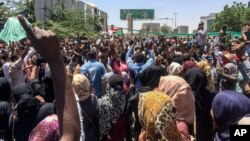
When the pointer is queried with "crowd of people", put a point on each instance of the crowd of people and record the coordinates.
(124, 88)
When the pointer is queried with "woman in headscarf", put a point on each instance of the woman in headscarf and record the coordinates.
(175, 69)
(229, 77)
(5, 109)
(180, 92)
(29, 111)
(88, 107)
(188, 65)
(206, 68)
(157, 116)
(150, 79)
(5, 90)
(228, 108)
(46, 130)
(112, 107)
(203, 102)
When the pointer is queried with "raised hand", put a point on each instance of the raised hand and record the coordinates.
(44, 41)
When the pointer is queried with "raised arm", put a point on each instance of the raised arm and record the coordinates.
(129, 60)
(47, 44)
(25, 52)
(150, 61)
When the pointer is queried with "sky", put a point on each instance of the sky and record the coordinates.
(188, 11)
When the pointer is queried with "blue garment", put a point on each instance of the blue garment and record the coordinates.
(228, 108)
(138, 68)
(94, 70)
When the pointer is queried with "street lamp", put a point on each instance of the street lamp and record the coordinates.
(175, 18)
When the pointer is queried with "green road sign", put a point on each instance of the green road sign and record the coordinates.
(137, 14)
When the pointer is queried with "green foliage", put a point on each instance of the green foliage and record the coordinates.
(234, 17)
(165, 29)
(72, 23)
(14, 8)
(62, 21)
(4, 12)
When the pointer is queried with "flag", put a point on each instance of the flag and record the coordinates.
(119, 32)
(113, 29)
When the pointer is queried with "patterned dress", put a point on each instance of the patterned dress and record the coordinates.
(46, 130)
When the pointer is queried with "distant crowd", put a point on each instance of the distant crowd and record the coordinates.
(125, 88)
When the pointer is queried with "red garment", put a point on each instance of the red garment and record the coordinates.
(188, 65)
(119, 67)
(183, 129)
(119, 130)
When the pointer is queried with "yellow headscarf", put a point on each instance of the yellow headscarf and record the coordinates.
(206, 68)
(157, 115)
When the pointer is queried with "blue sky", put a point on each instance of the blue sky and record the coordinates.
(189, 11)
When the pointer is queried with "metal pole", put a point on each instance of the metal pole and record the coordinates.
(175, 19)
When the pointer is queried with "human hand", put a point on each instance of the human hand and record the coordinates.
(44, 41)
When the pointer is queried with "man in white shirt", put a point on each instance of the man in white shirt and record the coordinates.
(16, 69)
(201, 37)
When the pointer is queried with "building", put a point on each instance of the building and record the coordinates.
(151, 27)
(182, 29)
(44, 8)
(208, 20)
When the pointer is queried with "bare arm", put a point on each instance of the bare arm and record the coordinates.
(47, 44)
(34, 73)
(25, 52)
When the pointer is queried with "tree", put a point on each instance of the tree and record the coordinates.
(72, 23)
(234, 17)
(166, 29)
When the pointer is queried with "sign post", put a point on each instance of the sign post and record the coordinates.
(136, 14)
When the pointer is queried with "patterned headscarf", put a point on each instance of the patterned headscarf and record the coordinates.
(157, 115)
(81, 86)
(180, 92)
(111, 106)
(231, 69)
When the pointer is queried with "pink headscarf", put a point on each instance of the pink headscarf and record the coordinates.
(180, 92)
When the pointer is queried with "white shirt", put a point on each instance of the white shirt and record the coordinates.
(6, 71)
(202, 37)
(82, 137)
(16, 73)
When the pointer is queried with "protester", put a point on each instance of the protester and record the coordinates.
(158, 117)
(201, 37)
(203, 102)
(16, 69)
(139, 65)
(46, 130)
(88, 107)
(94, 70)
(182, 96)
(29, 112)
(112, 107)
(228, 108)
(175, 69)
(150, 79)
(65, 101)
(5, 109)
(110, 77)
(206, 68)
